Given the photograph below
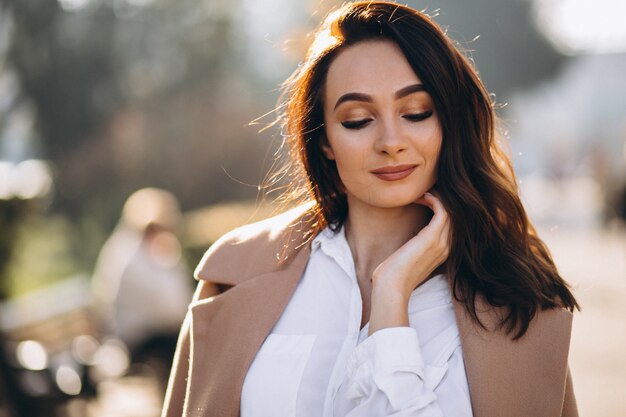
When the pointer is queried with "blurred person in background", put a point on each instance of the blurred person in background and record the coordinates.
(140, 284)
(412, 283)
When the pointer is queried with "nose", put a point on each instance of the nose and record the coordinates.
(391, 139)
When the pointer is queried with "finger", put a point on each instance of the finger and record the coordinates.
(422, 201)
(435, 204)
(440, 223)
(427, 200)
(435, 192)
(446, 233)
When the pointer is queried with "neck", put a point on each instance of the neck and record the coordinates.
(374, 233)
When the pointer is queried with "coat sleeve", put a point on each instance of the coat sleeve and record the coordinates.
(570, 409)
(176, 392)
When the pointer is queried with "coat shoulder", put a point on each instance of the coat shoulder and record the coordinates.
(549, 330)
(554, 324)
(521, 377)
(257, 248)
(556, 321)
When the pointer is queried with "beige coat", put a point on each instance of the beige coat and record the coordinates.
(263, 263)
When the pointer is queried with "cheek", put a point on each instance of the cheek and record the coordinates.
(349, 156)
(431, 146)
(346, 148)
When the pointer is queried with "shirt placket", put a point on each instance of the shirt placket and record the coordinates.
(345, 263)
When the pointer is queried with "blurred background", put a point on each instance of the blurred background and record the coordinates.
(130, 140)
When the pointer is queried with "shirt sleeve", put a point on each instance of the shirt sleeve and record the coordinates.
(386, 376)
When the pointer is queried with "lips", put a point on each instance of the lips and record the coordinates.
(394, 173)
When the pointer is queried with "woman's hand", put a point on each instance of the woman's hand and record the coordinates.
(414, 261)
(394, 280)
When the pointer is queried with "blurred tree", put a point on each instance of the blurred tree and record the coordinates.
(69, 75)
(129, 94)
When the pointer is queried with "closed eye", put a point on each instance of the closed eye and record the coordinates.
(419, 116)
(355, 124)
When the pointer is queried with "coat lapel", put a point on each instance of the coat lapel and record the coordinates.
(228, 330)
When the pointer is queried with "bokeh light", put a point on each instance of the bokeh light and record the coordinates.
(32, 355)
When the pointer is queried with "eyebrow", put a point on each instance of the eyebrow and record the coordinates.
(403, 92)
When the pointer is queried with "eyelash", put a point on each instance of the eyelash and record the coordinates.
(357, 124)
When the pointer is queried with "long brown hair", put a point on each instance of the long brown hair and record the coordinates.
(495, 251)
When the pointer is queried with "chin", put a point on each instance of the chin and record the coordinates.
(393, 200)
(388, 195)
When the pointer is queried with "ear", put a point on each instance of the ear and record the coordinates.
(327, 149)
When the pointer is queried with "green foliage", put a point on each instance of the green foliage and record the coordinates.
(43, 253)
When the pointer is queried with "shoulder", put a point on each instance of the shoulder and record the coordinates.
(554, 324)
(549, 327)
(546, 340)
(256, 248)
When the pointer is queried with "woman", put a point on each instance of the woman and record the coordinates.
(413, 283)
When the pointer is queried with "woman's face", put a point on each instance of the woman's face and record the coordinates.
(382, 128)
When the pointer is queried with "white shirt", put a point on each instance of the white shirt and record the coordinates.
(316, 361)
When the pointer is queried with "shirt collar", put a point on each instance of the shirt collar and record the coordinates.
(335, 245)
(329, 240)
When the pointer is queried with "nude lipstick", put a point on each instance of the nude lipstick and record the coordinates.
(394, 173)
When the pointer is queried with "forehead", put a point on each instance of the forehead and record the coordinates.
(370, 67)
